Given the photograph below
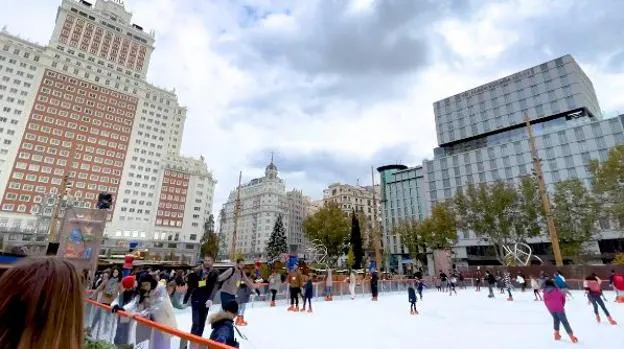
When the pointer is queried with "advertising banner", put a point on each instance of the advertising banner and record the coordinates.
(80, 236)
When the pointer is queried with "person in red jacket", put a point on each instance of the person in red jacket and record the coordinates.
(593, 286)
(554, 300)
(128, 261)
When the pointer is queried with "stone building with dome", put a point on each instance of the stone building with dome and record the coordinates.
(262, 200)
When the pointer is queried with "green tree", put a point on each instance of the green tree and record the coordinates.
(489, 211)
(408, 231)
(439, 231)
(331, 228)
(529, 217)
(575, 211)
(356, 242)
(608, 183)
(209, 241)
(277, 241)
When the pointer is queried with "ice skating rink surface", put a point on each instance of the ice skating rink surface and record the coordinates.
(468, 320)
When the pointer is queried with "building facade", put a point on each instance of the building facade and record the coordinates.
(359, 199)
(262, 200)
(79, 113)
(483, 138)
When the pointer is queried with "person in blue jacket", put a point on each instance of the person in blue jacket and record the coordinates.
(222, 324)
(561, 283)
(308, 294)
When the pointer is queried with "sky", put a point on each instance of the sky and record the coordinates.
(333, 87)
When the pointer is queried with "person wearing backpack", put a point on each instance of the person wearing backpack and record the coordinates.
(593, 287)
(202, 286)
(231, 278)
(554, 299)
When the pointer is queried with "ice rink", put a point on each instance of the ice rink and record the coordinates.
(469, 320)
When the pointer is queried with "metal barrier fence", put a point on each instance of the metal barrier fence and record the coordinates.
(125, 329)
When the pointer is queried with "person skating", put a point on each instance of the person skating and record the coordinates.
(127, 295)
(508, 284)
(128, 263)
(222, 324)
(521, 280)
(443, 281)
(374, 285)
(295, 282)
(411, 295)
(275, 281)
(420, 284)
(500, 282)
(535, 285)
(593, 287)
(554, 299)
(453, 284)
(491, 280)
(352, 280)
(308, 294)
(560, 281)
(329, 285)
(202, 286)
(231, 279)
(242, 298)
(153, 303)
(478, 278)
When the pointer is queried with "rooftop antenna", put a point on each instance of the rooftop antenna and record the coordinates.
(271, 157)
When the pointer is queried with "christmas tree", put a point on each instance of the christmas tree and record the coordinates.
(277, 242)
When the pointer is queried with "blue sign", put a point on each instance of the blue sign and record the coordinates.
(292, 262)
(134, 244)
(372, 266)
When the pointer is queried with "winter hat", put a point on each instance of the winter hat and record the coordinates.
(231, 307)
(128, 282)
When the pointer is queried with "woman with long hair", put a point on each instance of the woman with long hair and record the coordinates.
(41, 305)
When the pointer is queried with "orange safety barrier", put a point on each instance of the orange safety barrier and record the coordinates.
(184, 337)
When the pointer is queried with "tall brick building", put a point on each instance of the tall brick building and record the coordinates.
(79, 112)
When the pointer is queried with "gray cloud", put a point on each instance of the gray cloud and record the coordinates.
(325, 167)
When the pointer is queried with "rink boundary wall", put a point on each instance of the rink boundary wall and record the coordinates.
(340, 289)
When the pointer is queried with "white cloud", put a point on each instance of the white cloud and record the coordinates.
(349, 80)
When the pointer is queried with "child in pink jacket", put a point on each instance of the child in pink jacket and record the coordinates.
(555, 303)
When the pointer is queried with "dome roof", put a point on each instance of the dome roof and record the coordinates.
(271, 166)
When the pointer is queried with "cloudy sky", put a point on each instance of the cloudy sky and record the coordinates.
(336, 86)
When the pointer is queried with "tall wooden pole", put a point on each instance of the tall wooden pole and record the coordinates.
(537, 167)
(236, 213)
(375, 231)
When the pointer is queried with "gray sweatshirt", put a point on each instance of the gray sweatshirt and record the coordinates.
(231, 279)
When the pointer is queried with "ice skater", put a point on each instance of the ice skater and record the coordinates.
(560, 281)
(420, 284)
(592, 285)
(443, 280)
(478, 280)
(307, 294)
(352, 280)
(243, 296)
(453, 284)
(374, 284)
(295, 281)
(554, 299)
(275, 281)
(411, 295)
(536, 288)
(491, 280)
(507, 284)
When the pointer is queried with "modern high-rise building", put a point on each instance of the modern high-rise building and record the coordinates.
(78, 116)
(261, 201)
(483, 138)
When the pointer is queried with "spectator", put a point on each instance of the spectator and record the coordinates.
(34, 293)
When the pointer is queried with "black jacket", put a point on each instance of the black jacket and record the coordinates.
(203, 293)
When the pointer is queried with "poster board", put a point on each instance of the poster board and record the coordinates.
(80, 236)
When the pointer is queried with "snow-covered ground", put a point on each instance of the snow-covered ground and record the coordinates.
(469, 320)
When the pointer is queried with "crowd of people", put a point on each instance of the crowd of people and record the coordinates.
(30, 308)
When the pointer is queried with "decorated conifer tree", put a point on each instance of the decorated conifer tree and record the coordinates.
(277, 241)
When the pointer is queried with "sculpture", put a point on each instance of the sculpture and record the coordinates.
(521, 254)
(317, 252)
